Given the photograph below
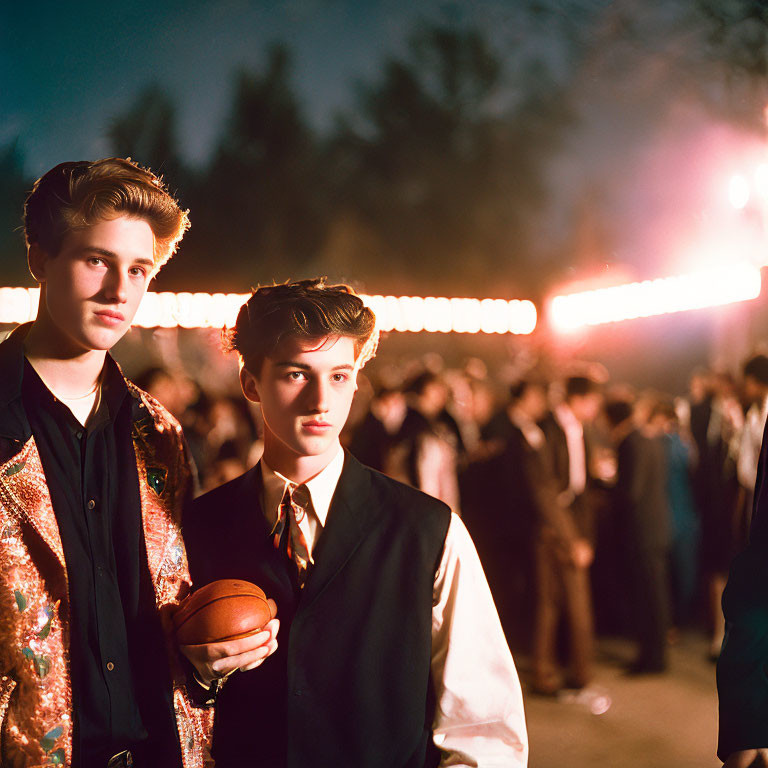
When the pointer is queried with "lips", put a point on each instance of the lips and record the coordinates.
(110, 316)
(316, 426)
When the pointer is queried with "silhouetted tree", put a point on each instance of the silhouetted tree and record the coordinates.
(736, 32)
(146, 132)
(257, 210)
(13, 189)
(444, 160)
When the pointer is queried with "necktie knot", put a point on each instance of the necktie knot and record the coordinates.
(287, 535)
(299, 500)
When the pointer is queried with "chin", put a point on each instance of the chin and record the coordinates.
(101, 340)
(313, 448)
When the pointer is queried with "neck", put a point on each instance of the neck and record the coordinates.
(297, 468)
(71, 371)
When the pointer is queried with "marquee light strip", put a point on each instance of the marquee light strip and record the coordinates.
(393, 313)
(710, 288)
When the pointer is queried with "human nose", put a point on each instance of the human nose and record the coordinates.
(116, 286)
(318, 396)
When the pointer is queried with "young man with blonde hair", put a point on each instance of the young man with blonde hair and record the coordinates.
(392, 655)
(93, 473)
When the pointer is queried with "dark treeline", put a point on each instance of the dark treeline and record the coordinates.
(436, 175)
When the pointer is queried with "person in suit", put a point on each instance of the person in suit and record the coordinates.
(392, 655)
(642, 513)
(563, 560)
(742, 685)
(93, 475)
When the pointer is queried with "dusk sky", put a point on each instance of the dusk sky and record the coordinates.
(67, 68)
(641, 149)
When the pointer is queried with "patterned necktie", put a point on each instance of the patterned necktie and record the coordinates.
(287, 536)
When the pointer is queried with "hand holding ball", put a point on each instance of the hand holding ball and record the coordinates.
(223, 610)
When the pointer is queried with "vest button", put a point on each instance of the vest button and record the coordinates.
(110, 665)
(298, 692)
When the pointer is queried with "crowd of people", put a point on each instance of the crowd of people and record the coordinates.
(591, 504)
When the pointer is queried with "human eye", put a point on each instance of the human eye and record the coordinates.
(339, 378)
(297, 375)
(95, 261)
(137, 271)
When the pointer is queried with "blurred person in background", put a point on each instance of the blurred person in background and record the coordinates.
(163, 386)
(716, 418)
(683, 519)
(748, 442)
(426, 450)
(640, 507)
(500, 505)
(374, 438)
(563, 572)
(225, 465)
(473, 406)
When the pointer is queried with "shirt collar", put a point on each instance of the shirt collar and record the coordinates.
(321, 488)
(113, 391)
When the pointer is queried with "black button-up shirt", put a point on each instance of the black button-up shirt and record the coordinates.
(120, 680)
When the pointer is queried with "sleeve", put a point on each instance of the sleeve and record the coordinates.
(550, 507)
(742, 669)
(479, 718)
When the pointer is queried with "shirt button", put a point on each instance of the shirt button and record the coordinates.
(110, 665)
(91, 504)
(79, 434)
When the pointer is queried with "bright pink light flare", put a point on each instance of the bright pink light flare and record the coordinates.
(710, 288)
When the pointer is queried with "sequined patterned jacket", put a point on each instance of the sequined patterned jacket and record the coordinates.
(35, 688)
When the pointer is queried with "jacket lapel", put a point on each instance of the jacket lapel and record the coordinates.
(352, 514)
(23, 490)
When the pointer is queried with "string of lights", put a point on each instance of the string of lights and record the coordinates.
(415, 314)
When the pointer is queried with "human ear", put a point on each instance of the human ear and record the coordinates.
(249, 385)
(37, 259)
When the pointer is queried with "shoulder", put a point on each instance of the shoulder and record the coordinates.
(402, 501)
(162, 418)
(226, 498)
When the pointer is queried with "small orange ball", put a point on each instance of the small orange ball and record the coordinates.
(226, 609)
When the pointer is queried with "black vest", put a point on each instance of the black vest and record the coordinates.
(350, 683)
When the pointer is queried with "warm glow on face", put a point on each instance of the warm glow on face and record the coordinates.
(393, 313)
(710, 288)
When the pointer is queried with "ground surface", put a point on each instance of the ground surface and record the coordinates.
(666, 721)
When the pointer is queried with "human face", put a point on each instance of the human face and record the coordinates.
(305, 389)
(586, 407)
(92, 288)
(534, 402)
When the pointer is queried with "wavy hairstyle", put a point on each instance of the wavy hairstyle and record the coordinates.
(308, 309)
(79, 194)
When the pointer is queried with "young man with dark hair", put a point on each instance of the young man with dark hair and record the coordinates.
(93, 474)
(641, 514)
(392, 654)
(562, 572)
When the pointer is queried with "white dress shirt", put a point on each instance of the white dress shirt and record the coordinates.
(479, 717)
(749, 443)
(574, 439)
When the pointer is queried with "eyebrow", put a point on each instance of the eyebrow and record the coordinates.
(305, 367)
(112, 255)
